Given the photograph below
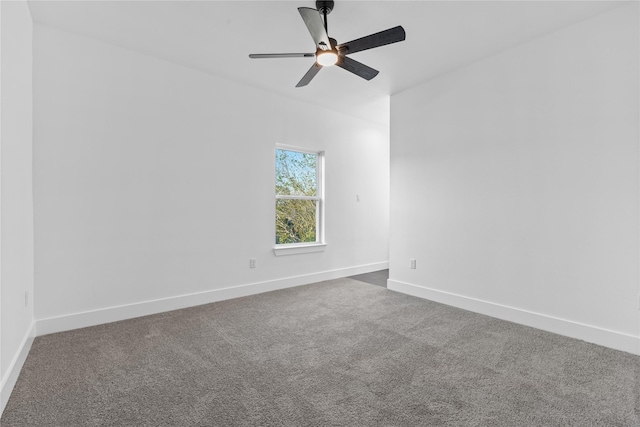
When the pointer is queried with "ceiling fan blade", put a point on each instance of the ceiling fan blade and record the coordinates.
(392, 35)
(314, 23)
(281, 55)
(310, 75)
(357, 68)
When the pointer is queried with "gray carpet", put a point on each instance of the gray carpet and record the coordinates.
(378, 278)
(336, 353)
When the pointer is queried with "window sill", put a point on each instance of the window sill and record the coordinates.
(302, 248)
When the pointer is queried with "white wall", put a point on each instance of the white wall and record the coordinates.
(514, 183)
(16, 201)
(154, 181)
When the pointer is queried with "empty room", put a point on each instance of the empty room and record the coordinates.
(319, 213)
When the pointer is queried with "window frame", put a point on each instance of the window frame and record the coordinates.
(305, 247)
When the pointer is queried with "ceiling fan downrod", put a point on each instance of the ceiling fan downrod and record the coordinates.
(325, 8)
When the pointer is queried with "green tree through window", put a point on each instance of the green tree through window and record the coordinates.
(297, 197)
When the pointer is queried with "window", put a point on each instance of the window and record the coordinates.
(298, 221)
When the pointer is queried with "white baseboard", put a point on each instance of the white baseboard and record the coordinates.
(589, 333)
(9, 381)
(112, 314)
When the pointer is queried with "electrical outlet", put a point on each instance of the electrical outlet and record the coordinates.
(252, 263)
(413, 263)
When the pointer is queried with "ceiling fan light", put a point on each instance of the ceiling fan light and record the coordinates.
(327, 58)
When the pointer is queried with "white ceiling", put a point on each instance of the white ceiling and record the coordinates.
(217, 36)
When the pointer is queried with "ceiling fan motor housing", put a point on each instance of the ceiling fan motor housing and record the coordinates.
(324, 7)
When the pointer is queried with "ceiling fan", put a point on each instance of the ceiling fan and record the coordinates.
(328, 51)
